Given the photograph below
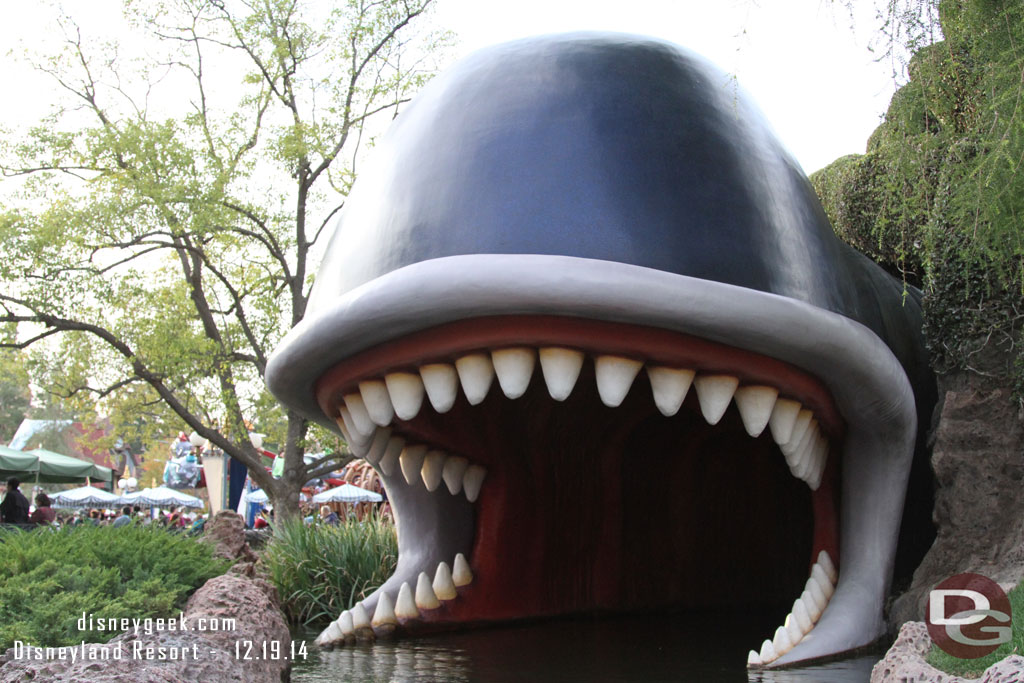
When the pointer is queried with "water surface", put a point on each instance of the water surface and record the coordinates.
(623, 649)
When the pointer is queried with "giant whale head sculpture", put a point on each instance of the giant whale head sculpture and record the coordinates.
(588, 320)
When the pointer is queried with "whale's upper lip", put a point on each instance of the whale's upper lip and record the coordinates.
(867, 383)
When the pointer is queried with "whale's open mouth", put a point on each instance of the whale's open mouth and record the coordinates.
(554, 444)
(582, 473)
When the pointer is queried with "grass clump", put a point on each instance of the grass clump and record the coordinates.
(49, 578)
(322, 569)
(973, 668)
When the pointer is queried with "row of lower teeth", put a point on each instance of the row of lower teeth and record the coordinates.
(418, 462)
(356, 624)
(378, 401)
(807, 610)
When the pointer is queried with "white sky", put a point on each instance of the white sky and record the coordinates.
(810, 72)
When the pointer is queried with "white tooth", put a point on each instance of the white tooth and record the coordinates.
(360, 619)
(385, 612)
(753, 659)
(442, 385)
(669, 386)
(425, 598)
(454, 468)
(714, 393)
(346, 624)
(816, 594)
(819, 575)
(755, 405)
(821, 459)
(802, 616)
(331, 634)
(793, 629)
(830, 568)
(476, 372)
(462, 575)
(768, 652)
(444, 587)
(405, 606)
(411, 460)
(803, 419)
(377, 401)
(433, 469)
(781, 642)
(360, 417)
(391, 454)
(514, 368)
(406, 392)
(800, 451)
(811, 604)
(472, 480)
(783, 419)
(380, 444)
(805, 458)
(561, 368)
(358, 443)
(615, 376)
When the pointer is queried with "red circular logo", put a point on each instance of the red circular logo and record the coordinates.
(969, 616)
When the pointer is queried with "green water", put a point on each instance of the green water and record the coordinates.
(636, 648)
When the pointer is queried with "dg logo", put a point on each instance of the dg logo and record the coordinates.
(969, 616)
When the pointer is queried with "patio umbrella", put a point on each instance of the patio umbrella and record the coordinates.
(257, 496)
(161, 496)
(63, 469)
(85, 496)
(347, 493)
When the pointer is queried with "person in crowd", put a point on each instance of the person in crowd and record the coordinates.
(95, 517)
(14, 508)
(125, 518)
(43, 514)
(328, 516)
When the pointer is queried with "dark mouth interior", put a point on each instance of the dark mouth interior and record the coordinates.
(591, 507)
(588, 508)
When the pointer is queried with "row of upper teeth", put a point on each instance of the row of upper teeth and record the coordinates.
(356, 624)
(418, 462)
(378, 401)
(807, 610)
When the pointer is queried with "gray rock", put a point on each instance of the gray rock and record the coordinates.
(978, 461)
(905, 663)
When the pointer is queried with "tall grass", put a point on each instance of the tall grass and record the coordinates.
(48, 578)
(320, 569)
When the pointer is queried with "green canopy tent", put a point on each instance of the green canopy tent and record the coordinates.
(15, 463)
(42, 466)
(55, 468)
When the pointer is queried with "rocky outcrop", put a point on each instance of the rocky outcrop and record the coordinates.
(232, 629)
(978, 462)
(905, 662)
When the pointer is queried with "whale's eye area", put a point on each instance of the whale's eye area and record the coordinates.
(586, 466)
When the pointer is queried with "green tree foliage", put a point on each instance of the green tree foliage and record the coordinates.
(15, 395)
(167, 253)
(48, 579)
(938, 198)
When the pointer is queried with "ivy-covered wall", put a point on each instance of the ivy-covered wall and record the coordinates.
(938, 197)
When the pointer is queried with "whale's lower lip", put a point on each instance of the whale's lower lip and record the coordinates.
(860, 386)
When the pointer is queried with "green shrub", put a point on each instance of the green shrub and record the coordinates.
(320, 569)
(49, 578)
(971, 668)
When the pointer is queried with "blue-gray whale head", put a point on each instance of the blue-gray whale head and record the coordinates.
(600, 223)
